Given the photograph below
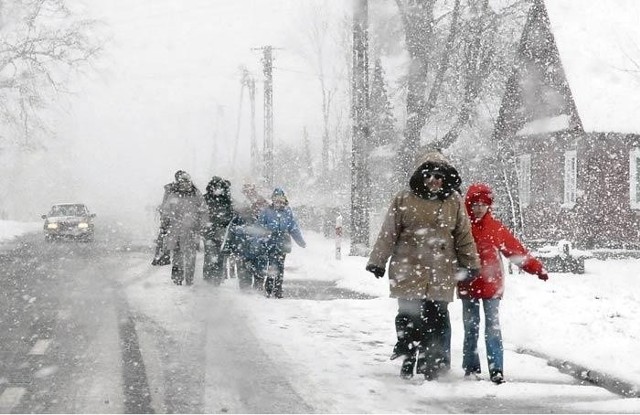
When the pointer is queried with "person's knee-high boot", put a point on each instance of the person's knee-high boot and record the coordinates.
(404, 329)
(177, 268)
(404, 346)
(279, 277)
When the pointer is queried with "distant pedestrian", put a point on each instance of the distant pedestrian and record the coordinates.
(427, 235)
(162, 255)
(184, 212)
(492, 238)
(220, 213)
(279, 220)
(251, 238)
(256, 200)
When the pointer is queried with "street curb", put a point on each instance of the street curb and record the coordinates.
(584, 374)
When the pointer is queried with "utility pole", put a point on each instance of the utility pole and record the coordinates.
(235, 147)
(251, 86)
(247, 81)
(215, 157)
(360, 134)
(267, 62)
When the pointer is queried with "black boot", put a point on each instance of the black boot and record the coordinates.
(408, 365)
(268, 286)
(161, 258)
(497, 377)
(400, 349)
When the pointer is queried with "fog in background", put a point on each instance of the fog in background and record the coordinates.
(164, 95)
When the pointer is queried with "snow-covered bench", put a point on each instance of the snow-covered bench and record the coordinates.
(562, 257)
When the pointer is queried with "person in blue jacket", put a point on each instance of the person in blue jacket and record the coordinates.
(279, 220)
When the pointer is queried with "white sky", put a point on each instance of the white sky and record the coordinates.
(169, 68)
(336, 353)
(600, 51)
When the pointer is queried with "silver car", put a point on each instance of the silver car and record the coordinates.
(69, 220)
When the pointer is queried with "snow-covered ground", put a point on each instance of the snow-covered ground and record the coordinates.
(338, 350)
(10, 229)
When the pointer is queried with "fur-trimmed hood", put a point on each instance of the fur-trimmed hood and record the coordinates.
(433, 162)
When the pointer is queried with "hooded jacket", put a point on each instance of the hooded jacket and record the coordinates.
(427, 236)
(219, 203)
(282, 225)
(493, 238)
(184, 213)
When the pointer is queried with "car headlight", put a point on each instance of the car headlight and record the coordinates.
(83, 225)
(52, 226)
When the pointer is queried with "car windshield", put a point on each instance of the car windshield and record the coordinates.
(68, 210)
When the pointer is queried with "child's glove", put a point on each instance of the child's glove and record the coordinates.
(543, 275)
(467, 274)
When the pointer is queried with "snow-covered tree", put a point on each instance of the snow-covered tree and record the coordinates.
(42, 43)
(382, 120)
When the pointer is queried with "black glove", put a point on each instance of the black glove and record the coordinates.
(375, 270)
(472, 274)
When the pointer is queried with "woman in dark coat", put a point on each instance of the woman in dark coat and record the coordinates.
(183, 212)
(220, 212)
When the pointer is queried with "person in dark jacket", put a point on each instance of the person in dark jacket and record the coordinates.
(426, 237)
(162, 255)
(220, 213)
(184, 212)
(279, 221)
(492, 239)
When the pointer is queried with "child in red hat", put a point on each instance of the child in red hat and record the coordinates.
(492, 238)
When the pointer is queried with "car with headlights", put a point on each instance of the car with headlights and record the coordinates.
(69, 220)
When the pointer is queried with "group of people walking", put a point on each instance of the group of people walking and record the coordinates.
(257, 237)
(439, 243)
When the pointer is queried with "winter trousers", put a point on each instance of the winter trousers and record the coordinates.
(256, 268)
(184, 262)
(213, 268)
(275, 274)
(492, 334)
(245, 272)
(423, 331)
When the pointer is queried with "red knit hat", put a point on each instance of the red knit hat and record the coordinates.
(484, 198)
(478, 193)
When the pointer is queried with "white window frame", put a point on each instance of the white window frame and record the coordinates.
(570, 178)
(634, 162)
(523, 171)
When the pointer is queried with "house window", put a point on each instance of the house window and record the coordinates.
(634, 178)
(570, 178)
(523, 170)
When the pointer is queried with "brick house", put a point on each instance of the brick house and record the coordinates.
(569, 123)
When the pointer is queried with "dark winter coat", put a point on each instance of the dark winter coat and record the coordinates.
(427, 236)
(493, 238)
(183, 213)
(219, 206)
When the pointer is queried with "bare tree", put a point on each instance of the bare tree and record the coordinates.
(315, 47)
(41, 44)
(454, 51)
(478, 50)
(418, 21)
